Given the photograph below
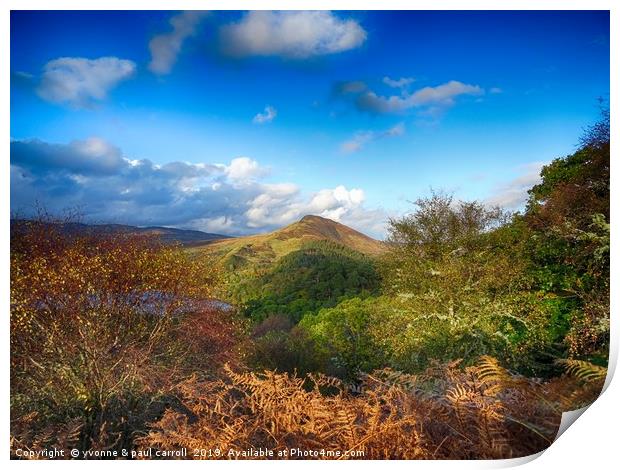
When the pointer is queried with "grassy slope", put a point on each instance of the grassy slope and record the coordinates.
(261, 250)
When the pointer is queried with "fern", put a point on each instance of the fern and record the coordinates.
(483, 411)
(583, 370)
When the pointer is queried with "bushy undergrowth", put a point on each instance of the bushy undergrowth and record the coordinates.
(101, 327)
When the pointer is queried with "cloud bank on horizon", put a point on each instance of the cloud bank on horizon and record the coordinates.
(231, 199)
(113, 112)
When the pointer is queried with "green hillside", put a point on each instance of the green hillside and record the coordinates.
(258, 252)
(320, 274)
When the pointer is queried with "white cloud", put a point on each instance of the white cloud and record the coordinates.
(268, 115)
(513, 194)
(362, 138)
(400, 83)
(291, 34)
(439, 96)
(166, 47)
(219, 224)
(107, 186)
(277, 206)
(495, 90)
(82, 82)
(244, 169)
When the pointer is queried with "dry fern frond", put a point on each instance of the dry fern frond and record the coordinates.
(583, 370)
(482, 411)
(491, 373)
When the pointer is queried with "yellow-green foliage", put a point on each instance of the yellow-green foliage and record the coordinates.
(408, 332)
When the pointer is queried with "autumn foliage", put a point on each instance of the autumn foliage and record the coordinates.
(101, 326)
(480, 412)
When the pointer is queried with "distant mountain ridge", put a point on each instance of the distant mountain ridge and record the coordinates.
(253, 248)
(257, 250)
(165, 234)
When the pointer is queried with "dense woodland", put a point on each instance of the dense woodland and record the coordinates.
(467, 338)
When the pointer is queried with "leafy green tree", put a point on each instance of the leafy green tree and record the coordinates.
(568, 215)
(459, 273)
(345, 334)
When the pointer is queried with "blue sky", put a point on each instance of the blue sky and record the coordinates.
(240, 122)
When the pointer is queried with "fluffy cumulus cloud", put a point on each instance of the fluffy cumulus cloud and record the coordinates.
(290, 34)
(166, 47)
(433, 98)
(82, 82)
(513, 194)
(268, 115)
(362, 138)
(244, 169)
(279, 204)
(231, 198)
